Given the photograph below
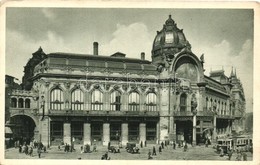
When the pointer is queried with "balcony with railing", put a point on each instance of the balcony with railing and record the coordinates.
(69, 112)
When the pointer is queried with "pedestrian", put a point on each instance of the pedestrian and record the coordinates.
(44, 149)
(20, 149)
(154, 150)
(185, 147)
(141, 144)
(149, 155)
(30, 151)
(145, 143)
(230, 152)
(206, 143)
(26, 150)
(39, 151)
(108, 146)
(174, 145)
(221, 152)
(160, 149)
(244, 156)
(162, 144)
(94, 148)
(165, 144)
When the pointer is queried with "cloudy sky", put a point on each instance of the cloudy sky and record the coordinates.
(225, 36)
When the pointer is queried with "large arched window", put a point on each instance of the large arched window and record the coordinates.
(183, 102)
(115, 101)
(134, 101)
(97, 100)
(151, 102)
(57, 99)
(77, 100)
(14, 102)
(27, 103)
(20, 103)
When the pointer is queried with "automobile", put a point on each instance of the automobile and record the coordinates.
(132, 148)
(114, 149)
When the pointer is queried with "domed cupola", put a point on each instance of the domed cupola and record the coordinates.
(169, 41)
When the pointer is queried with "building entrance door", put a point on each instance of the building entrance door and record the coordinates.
(184, 131)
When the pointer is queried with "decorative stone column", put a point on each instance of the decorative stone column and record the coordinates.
(87, 133)
(124, 131)
(67, 133)
(142, 134)
(106, 133)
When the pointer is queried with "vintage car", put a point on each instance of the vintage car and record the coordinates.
(113, 149)
(132, 148)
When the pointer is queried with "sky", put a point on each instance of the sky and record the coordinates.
(224, 36)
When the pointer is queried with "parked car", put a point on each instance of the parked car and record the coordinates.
(114, 149)
(132, 148)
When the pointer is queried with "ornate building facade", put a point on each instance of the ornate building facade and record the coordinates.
(100, 99)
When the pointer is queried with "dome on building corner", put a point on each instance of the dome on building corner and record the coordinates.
(168, 41)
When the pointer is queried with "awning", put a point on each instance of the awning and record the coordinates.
(8, 130)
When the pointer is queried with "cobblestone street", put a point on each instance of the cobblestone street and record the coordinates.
(193, 153)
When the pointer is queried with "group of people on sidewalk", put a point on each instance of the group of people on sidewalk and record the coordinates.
(28, 149)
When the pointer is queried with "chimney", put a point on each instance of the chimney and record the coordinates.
(142, 56)
(95, 48)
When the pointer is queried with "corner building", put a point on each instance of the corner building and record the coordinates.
(89, 99)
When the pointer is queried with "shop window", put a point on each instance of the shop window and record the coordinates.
(133, 131)
(96, 132)
(151, 131)
(115, 131)
(56, 132)
(77, 132)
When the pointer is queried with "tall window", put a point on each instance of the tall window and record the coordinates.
(56, 131)
(133, 131)
(20, 103)
(77, 100)
(57, 100)
(115, 131)
(27, 103)
(134, 101)
(97, 100)
(151, 102)
(183, 102)
(14, 102)
(115, 101)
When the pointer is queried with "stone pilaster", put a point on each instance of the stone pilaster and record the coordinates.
(142, 134)
(214, 127)
(87, 133)
(45, 129)
(67, 133)
(194, 130)
(124, 131)
(106, 133)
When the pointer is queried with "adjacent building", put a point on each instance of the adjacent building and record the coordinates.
(91, 98)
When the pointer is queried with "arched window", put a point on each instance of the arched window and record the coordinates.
(14, 102)
(115, 101)
(27, 103)
(57, 100)
(77, 100)
(151, 102)
(97, 100)
(183, 102)
(20, 103)
(134, 101)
